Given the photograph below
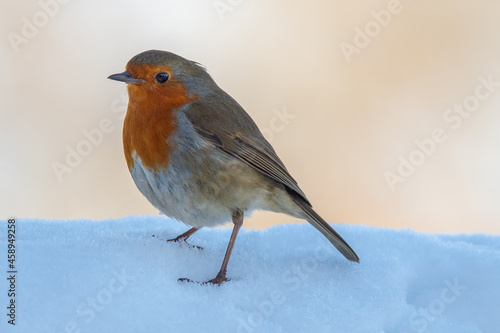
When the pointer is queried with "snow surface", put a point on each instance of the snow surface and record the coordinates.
(113, 276)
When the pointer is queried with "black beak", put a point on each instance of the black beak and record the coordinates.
(125, 77)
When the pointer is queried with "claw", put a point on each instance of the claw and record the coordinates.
(218, 280)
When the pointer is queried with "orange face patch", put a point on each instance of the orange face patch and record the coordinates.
(150, 115)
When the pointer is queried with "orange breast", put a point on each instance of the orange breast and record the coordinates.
(150, 122)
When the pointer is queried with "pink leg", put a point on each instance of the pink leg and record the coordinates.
(184, 236)
(221, 276)
(238, 222)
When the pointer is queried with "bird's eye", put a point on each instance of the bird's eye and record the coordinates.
(161, 77)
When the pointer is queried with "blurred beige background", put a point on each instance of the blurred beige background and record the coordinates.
(358, 81)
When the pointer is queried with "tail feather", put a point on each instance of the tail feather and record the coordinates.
(325, 228)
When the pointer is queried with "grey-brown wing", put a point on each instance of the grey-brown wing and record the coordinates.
(256, 155)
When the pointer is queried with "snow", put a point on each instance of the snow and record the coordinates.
(114, 276)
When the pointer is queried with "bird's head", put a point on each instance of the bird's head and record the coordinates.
(164, 77)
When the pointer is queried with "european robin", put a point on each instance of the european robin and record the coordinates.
(198, 157)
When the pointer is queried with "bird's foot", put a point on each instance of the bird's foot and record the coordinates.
(179, 240)
(185, 236)
(218, 280)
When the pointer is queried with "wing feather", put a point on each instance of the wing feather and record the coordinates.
(264, 160)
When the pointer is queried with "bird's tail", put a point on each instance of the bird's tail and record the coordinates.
(324, 228)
